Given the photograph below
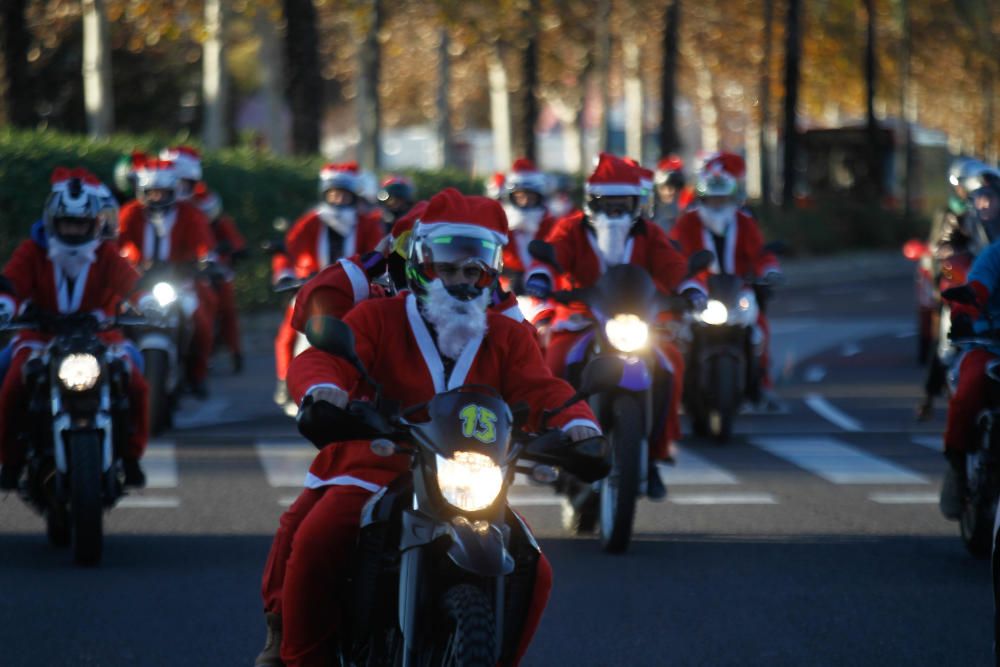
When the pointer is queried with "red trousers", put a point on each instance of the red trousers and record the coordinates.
(227, 316)
(968, 401)
(561, 346)
(284, 344)
(13, 403)
(304, 576)
(204, 332)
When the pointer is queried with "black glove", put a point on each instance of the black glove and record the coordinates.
(538, 285)
(961, 326)
(696, 297)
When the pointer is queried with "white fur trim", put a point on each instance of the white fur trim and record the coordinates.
(70, 303)
(458, 229)
(322, 385)
(359, 281)
(709, 244)
(8, 305)
(614, 189)
(539, 269)
(314, 482)
(514, 313)
(425, 342)
(691, 284)
(323, 245)
(580, 422)
(464, 363)
(150, 234)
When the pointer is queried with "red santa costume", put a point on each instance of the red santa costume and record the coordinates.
(579, 254)
(229, 244)
(732, 235)
(56, 278)
(320, 237)
(396, 346)
(175, 233)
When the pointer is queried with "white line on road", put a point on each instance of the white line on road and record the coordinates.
(149, 502)
(723, 499)
(203, 413)
(934, 442)
(836, 462)
(285, 463)
(693, 469)
(535, 501)
(160, 463)
(814, 374)
(906, 334)
(827, 411)
(904, 498)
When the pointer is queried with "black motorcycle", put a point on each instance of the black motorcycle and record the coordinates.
(444, 568)
(76, 428)
(625, 306)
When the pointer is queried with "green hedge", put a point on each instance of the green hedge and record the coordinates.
(255, 187)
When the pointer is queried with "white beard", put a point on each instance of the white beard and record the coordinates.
(163, 221)
(456, 322)
(612, 234)
(717, 220)
(72, 259)
(560, 206)
(341, 219)
(526, 220)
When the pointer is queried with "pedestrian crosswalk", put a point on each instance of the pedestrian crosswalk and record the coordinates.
(730, 475)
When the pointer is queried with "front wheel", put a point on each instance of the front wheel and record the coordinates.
(86, 505)
(725, 390)
(620, 489)
(472, 638)
(157, 371)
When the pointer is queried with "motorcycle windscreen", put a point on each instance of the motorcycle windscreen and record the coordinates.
(626, 288)
(465, 419)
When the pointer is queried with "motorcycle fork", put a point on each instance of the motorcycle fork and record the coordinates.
(602, 406)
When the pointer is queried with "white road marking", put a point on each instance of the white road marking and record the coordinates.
(692, 469)
(160, 464)
(904, 498)
(723, 499)
(935, 442)
(149, 502)
(836, 462)
(814, 374)
(906, 334)
(285, 463)
(850, 350)
(287, 501)
(204, 413)
(827, 411)
(535, 501)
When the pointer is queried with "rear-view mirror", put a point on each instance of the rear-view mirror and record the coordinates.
(332, 336)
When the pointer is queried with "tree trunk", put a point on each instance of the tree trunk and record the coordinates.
(633, 99)
(708, 109)
(15, 104)
(443, 116)
(98, 100)
(874, 180)
(213, 81)
(670, 141)
(272, 82)
(369, 112)
(793, 54)
(905, 110)
(602, 65)
(499, 109)
(302, 72)
(527, 106)
(765, 105)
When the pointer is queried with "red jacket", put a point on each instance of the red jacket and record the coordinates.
(102, 286)
(743, 252)
(515, 253)
(190, 238)
(307, 249)
(576, 251)
(394, 344)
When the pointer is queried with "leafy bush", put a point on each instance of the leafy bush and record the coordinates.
(256, 188)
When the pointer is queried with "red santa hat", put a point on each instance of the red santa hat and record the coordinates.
(613, 177)
(524, 175)
(449, 212)
(341, 176)
(186, 159)
(494, 184)
(731, 163)
(153, 173)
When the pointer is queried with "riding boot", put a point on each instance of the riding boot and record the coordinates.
(271, 655)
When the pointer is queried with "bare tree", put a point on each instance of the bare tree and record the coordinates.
(369, 111)
(302, 72)
(602, 65)
(793, 55)
(213, 82)
(98, 100)
(15, 105)
(499, 107)
(442, 120)
(874, 180)
(670, 141)
(272, 81)
(765, 104)
(527, 102)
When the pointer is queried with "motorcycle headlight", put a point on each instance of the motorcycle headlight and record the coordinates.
(79, 372)
(715, 312)
(470, 481)
(744, 303)
(627, 333)
(164, 293)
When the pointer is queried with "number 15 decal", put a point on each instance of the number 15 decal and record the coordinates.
(479, 423)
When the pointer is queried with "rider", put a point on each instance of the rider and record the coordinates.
(396, 196)
(718, 225)
(416, 345)
(333, 229)
(66, 267)
(523, 200)
(672, 197)
(231, 247)
(187, 164)
(972, 391)
(560, 200)
(611, 231)
(158, 229)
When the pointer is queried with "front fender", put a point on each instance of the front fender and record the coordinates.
(481, 553)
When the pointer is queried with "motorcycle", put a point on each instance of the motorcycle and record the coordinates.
(444, 565)
(77, 426)
(623, 304)
(168, 300)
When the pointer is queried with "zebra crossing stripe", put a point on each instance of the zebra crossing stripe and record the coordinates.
(836, 462)
(723, 499)
(160, 464)
(934, 442)
(904, 498)
(692, 469)
(285, 463)
(149, 502)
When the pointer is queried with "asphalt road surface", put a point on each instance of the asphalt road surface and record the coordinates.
(813, 538)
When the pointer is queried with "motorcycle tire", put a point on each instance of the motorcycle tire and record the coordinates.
(976, 525)
(57, 526)
(472, 637)
(620, 489)
(160, 401)
(725, 388)
(86, 505)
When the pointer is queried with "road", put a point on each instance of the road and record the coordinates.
(813, 538)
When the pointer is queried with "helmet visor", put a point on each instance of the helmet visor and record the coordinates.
(466, 259)
(75, 231)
